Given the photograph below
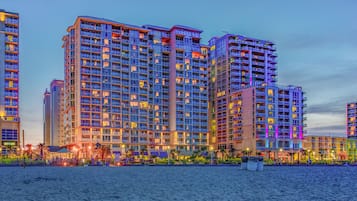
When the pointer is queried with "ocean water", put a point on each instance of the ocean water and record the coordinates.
(177, 183)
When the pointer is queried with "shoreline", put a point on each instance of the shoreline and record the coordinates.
(182, 165)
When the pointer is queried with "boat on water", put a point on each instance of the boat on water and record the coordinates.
(252, 163)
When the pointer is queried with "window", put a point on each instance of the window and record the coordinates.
(9, 134)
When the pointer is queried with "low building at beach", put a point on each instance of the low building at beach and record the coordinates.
(325, 147)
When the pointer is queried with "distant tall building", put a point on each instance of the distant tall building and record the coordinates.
(9, 81)
(47, 118)
(53, 113)
(130, 87)
(57, 113)
(351, 129)
(351, 118)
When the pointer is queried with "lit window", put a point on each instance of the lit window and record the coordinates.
(187, 94)
(178, 66)
(105, 56)
(270, 106)
(105, 101)
(134, 47)
(187, 114)
(194, 82)
(2, 16)
(293, 109)
(294, 116)
(187, 61)
(156, 94)
(202, 89)
(187, 100)
(105, 64)
(196, 55)
(270, 121)
(105, 115)
(156, 61)
(270, 92)
(134, 104)
(156, 80)
(106, 42)
(230, 105)
(133, 97)
(144, 105)
(105, 93)
(141, 84)
(141, 35)
(105, 123)
(134, 124)
(133, 68)
(105, 49)
(156, 107)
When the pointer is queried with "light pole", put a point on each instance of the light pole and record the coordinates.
(168, 155)
(211, 150)
(280, 154)
(247, 150)
(90, 152)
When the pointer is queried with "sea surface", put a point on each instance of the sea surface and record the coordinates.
(177, 183)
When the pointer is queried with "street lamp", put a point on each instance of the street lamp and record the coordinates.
(211, 150)
(247, 150)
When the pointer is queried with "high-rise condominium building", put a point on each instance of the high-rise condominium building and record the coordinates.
(249, 113)
(264, 119)
(46, 118)
(9, 81)
(140, 88)
(236, 62)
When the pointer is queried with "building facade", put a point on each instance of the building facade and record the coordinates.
(325, 148)
(248, 111)
(351, 130)
(138, 88)
(57, 137)
(46, 118)
(9, 81)
(235, 62)
(266, 120)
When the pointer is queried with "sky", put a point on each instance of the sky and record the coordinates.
(316, 44)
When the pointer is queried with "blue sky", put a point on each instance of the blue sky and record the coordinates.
(316, 44)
